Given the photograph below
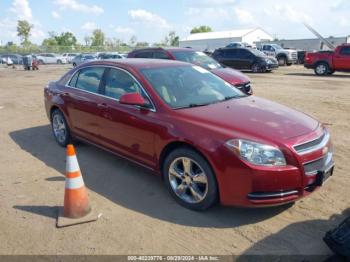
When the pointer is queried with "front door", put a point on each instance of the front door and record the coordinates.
(342, 59)
(126, 129)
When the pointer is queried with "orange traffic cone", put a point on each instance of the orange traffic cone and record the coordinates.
(76, 208)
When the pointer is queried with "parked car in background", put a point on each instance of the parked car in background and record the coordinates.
(208, 140)
(239, 44)
(189, 55)
(50, 58)
(83, 58)
(327, 62)
(283, 56)
(16, 59)
(301, 57)
(110, 55)
(245, 59)
(69, 57)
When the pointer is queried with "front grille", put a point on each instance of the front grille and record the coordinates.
(321, 164)
(312, 145)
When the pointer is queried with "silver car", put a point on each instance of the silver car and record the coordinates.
(83, 58)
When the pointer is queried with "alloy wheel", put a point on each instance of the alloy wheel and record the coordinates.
(321, 69)
(188, 180)
(59, 128)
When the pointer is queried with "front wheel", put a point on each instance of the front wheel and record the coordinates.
(256, 68)
(282, 61)
(60, 128)
(190, 179)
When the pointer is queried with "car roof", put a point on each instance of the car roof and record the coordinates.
(138, 63)
(163, 48)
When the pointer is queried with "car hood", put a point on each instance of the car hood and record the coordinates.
(252, 117)
(230, 75)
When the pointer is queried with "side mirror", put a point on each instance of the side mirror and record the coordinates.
(132, 99)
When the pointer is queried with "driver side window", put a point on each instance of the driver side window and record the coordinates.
(118, 83)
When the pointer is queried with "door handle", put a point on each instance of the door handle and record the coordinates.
(102, 105)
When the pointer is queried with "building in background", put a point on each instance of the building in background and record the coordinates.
(310, 44)
(214, 40)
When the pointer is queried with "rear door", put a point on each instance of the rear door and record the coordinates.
(231, 58)
(342, 58)
(83, 101)
(245, 59)
(127, 129)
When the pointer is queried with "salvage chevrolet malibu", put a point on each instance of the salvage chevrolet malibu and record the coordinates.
(205, 138)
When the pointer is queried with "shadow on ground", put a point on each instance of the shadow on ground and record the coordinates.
(312, 74)
(298, 239)
(127, 184)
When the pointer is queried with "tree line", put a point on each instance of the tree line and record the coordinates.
(97, 41)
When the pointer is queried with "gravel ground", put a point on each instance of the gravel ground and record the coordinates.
(139, 217)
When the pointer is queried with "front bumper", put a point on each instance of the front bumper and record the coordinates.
(243, 184)
(271, 66)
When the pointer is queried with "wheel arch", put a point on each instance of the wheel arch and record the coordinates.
(178, 144)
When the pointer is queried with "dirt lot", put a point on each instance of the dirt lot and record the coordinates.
(139, 217)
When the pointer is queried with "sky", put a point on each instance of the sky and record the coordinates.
(152, 20)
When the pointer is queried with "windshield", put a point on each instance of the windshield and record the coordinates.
(198, 58)
(189, 86)
(276, 46)
(257, 52)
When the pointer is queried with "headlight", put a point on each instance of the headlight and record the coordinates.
(256, 153)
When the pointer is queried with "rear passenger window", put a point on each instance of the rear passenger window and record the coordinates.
(160, 55)
(144, 55)
(89, 79)
(74, 79)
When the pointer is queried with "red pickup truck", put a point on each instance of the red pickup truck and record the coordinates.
(327, 62)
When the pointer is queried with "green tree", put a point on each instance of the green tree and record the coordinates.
(98, 38)
(142, 44)
(201, 29)
(133, 40)
(66, 39)
(172, 39)
(23, 31)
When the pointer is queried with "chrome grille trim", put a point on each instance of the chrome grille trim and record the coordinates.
(312, 145)
(272, 194)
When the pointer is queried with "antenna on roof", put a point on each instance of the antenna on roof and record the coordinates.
(319, 36)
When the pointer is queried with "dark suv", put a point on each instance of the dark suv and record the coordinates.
(245, 59)
(189, 55)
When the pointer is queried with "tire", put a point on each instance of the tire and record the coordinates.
(188, 188)
(60, 128)
(41, 62)
(59, 62)
(330, 72)
(256, 68)
(282, 61)
(74, 64)
(289, 64)
(321, 69)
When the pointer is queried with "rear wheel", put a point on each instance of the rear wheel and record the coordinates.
(190, 179)
(321, 69)
(60, 128)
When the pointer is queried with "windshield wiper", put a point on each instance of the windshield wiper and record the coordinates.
(193, 105)
(231, 97)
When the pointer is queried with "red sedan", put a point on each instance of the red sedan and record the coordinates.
(205, 138)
